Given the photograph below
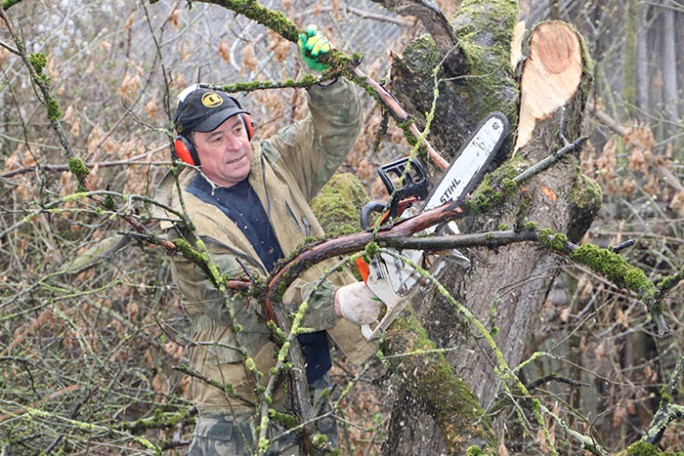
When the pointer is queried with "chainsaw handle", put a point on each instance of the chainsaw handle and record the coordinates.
(368, 209)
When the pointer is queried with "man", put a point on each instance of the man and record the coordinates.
(248, 205)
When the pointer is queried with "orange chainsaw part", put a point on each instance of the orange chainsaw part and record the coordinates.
(363, 268)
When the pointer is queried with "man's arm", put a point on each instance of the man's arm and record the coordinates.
(314, 148)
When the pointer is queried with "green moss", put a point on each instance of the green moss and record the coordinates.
(636, 280)
(319, 440)
(272, 19)
(484, 34)
(535, 405)
(616, 269)
(305, 81)
(529, 226)
(54, 112)
(474, 450)
(642, 449)
(78, 168)
(585, 200)
(338, 206)
(371, 249)
(510, 187)
(669, 282)
(38, 61)
(285, 419)
(556, 242)
(187, 251)
(429, 375)
(109, 203)
(665, 397)
(6, 4)
(502, 227)
(484, 198)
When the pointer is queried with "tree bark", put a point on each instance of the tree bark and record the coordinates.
(669, 61)
(504, 288)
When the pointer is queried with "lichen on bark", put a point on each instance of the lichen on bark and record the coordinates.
(426, 374)
(585, 202)
(338, 206)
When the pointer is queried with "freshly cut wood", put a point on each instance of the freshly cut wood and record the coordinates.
(551, 75)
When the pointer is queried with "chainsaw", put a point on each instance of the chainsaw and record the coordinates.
(391, 279)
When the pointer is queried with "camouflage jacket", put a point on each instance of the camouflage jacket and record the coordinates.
(288, 170)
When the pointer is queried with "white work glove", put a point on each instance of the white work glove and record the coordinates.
(357, 303)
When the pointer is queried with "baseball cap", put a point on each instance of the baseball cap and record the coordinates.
(202, 109)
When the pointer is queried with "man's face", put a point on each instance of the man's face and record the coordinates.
(224, 153)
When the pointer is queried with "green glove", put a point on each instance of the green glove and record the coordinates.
(313, 45)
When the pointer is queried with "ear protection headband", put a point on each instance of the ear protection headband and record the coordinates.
(186, 151)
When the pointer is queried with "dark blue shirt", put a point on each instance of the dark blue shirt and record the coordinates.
(241, 204)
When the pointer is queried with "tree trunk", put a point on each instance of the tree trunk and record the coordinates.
(505, 287)
(669, 62)
(642, 62)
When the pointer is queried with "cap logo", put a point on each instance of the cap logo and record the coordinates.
(212, 99)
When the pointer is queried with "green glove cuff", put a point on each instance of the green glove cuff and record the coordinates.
(312, 46)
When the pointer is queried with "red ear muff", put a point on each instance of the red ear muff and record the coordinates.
(247, 122)
(186, 151)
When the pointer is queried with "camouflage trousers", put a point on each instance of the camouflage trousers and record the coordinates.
(233, 435)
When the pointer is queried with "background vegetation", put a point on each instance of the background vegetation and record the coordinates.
(90, 324)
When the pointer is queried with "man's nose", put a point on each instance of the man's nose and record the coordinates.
(233, 142)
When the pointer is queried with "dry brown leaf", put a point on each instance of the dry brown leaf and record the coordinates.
(640, 137)
(677, 203)
(174, 350)
(128, 86)
(151, 108)
(129, 22)
(586, 289)
(280, 48)
(565, 314)
(224, 51)
(132, 310)
(541, 440)
(619, 415)
(503, 451)
(652, 185)
(105, 45)
(174, 18)
(600, 351)
(550, 194)
(637, 161)
(249, 59)
(4, 53)
(629, 186)
(631, 408)
(622, 318)
(110, 146)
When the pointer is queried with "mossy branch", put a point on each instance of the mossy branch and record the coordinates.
(92, 428)
(668, 283)
(614, 268)
(226, 388)
(667, 411)
(160, 420)
(7, 4)
(290, 350)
